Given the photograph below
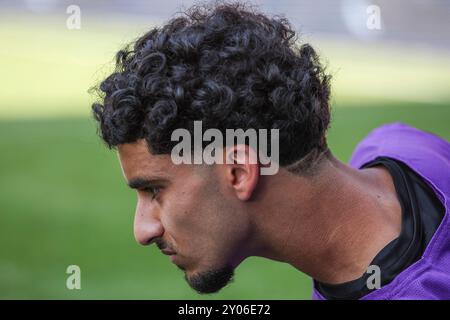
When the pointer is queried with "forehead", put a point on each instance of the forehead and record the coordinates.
(136, 160)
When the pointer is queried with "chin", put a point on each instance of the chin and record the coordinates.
(211, 280)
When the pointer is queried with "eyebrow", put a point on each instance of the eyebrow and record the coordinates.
(140, 182)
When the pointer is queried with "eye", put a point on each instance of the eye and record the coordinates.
(153, 191)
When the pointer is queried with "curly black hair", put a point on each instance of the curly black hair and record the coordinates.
(224, 64)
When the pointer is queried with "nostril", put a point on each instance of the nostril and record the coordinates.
(145, 241)
(150, 241)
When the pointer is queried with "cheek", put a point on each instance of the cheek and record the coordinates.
(178, 212)
(207, 230)
(208, 223)
(194, 215)
(189, 211)
(203, 224)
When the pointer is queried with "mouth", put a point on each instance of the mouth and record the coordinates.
(171, 254)
(168, 252)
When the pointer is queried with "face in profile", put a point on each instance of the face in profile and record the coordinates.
(190, 212)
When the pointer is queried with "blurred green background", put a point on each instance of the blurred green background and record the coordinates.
(63, 200)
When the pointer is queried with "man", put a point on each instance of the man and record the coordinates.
(232, 68)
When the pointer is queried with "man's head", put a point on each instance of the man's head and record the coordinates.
(194, 213)
(231, 68)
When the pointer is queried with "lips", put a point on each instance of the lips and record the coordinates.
(168, 252)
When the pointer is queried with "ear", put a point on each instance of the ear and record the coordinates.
(242, 170)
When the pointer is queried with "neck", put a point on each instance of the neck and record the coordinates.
(330, 226)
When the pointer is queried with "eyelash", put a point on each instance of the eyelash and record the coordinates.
(154, 191)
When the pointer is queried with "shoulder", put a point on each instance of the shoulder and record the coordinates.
(422, 151)
(402, 140)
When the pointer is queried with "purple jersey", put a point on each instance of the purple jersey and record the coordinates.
(428, 156)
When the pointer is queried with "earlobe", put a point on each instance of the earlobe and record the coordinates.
(244, 171)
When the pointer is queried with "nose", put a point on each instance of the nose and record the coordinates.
(147, 226)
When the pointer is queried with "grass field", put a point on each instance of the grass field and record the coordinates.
(63, 200)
